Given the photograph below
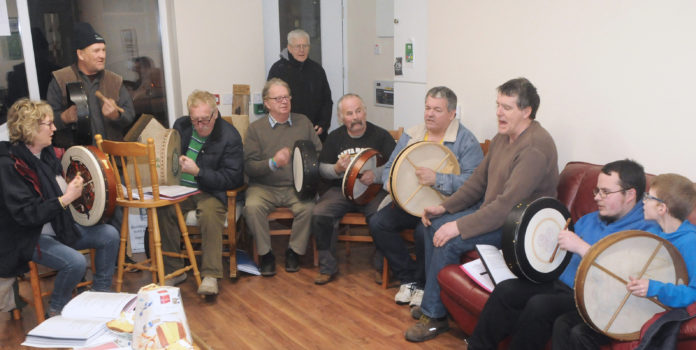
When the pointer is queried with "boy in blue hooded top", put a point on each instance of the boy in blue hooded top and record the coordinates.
(670, 200)
(526, 311)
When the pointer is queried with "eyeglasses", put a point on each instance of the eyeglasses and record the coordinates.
(647, 196)
(301, 46)
(280, 99)
(49, 124)
(202, 121)
(604, 193)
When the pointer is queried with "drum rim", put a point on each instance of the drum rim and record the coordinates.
(398, 160)
(108, 177)
(514, 253)
(598, 248)
(351, 176)
(310, 167)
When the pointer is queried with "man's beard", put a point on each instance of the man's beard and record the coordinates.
(608, 219)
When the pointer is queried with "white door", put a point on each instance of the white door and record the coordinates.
(332, 58)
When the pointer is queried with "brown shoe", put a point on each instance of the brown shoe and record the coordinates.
(323, 278)
(427, 328)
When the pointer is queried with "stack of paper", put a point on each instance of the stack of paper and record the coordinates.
(82, 320)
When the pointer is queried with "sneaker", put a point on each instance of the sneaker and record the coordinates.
(427, 328)
(416, 312)
(209, 286)
(292, 261)
(416, 298)
(323, 278)
(405, 293)
(176, 280)
(268, 265)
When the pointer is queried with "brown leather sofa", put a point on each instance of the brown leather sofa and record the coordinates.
(464, 299)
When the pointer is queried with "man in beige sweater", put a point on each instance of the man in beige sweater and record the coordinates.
(267, 162)
(521, 164)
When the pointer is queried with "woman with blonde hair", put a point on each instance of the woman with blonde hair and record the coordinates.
(34, 195)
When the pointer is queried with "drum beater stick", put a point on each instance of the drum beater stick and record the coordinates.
(103, 98)
(553, 256)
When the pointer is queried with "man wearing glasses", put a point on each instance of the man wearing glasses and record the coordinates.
(526, 311)
(212, 161)
(267, 161)
(307, 81)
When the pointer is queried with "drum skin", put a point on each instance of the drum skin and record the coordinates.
(412, 197)
(167, 152)
(305, 168)
(529, 237)
(353, 189)
(98, 199)
(600, 283)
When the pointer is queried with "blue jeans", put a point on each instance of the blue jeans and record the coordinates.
(71, 265)
(436, 258)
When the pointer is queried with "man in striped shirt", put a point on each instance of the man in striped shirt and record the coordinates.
(212, 162)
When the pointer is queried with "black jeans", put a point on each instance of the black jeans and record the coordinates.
(524, 310)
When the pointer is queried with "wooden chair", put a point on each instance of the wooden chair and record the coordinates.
(38, 294)
(123, 153)
(283, 213)
(229, 236)
(407, 235)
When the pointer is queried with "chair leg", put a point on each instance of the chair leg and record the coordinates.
(36, 292)
(232, 242)
(122, 251)
(187, 244)
(316, 252)
(385, 274)
(158, 261)
(16, 314)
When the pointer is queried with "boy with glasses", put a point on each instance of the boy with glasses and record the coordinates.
(212, 161)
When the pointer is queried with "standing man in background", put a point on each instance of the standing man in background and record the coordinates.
(307, 80)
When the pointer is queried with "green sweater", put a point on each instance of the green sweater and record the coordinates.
(262, 142)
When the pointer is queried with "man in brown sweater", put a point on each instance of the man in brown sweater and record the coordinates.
(267, 162)
(521, 164)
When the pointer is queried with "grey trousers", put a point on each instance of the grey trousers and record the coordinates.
(211, 215)
(261, 200)
(331, 208)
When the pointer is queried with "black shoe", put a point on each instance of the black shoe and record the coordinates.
(268, 265)
(292, 261)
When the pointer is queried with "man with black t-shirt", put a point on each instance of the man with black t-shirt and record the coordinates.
(341, 145)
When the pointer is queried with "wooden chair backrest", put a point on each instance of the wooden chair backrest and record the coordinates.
(396, 134)
(120, 155)
(484, 146)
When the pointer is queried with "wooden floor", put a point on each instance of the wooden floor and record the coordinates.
(287, 311)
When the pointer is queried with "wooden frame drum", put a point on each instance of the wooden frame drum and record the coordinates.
(529, 239)
(305, 168)
(412, 197)
(98, 199)
(353, 189)
(600, 283)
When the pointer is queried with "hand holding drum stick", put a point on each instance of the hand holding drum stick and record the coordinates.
(553, 256)
(106, 100)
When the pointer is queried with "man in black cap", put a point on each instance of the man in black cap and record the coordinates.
(109, 116)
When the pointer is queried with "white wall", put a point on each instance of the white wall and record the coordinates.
(616, 78)
(220, 43)
(363, 66)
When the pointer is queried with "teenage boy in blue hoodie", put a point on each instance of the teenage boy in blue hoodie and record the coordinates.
(670, 200)
(526, 311)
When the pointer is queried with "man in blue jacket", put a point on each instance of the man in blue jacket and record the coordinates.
(212, 160)
(525, 310)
